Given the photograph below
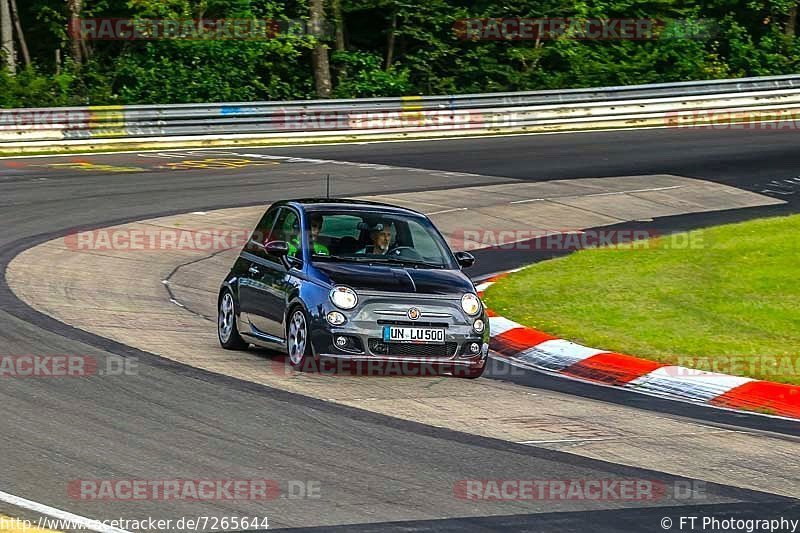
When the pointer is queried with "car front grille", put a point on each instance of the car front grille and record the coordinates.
(409, 323)
(378, 347)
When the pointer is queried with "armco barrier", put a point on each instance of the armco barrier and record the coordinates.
(666, 104)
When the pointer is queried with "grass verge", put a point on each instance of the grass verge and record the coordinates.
(724, 299)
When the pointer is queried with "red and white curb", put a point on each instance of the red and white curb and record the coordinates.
(530, 348)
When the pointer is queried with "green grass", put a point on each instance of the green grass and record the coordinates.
(729, 303)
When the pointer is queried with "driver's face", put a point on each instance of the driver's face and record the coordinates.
(382, 238)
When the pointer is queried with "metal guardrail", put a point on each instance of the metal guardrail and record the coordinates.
(635, 105)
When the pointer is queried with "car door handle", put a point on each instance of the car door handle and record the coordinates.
(253, 270)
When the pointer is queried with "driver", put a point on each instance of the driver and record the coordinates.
(381, 237)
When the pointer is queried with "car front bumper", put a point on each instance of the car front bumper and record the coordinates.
(365, 323)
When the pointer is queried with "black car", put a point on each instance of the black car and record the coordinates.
(356, 282)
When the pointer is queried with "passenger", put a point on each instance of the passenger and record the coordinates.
(315, 223)
(316, 227)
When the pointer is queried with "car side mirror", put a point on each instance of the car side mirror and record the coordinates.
(279, 248)
(465, 259)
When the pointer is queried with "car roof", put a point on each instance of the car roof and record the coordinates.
(323, 204)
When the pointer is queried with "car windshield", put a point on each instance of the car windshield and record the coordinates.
(377, 237)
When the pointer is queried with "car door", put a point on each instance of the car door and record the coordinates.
(270, 277)
(248, 268)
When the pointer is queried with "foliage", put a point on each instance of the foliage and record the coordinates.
(29, 88)
(366, 78)
(715, 39)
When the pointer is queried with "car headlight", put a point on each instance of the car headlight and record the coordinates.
(470, 304)
(344, 297)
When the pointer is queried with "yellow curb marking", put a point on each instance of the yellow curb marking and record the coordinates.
(85, 165)
(215, 163)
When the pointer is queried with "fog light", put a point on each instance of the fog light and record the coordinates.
(335, 318)
(478, 325)
(474, 347)
(347, 343)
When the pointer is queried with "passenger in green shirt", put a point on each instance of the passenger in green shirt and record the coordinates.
(319, 248)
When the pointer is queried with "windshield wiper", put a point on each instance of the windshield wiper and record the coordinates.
(337, 257)
(401, 261)
(378, 259)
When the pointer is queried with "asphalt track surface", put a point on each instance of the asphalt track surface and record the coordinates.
(175, 421)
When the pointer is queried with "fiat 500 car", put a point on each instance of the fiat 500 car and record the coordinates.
(354, 281)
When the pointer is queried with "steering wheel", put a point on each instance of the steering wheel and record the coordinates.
(405, 252)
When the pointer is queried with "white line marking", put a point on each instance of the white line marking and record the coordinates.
(654, 189)
(77, 520)
(628, 437)
(448, 211)
(571, 440)
(528, 200)
(405, 201)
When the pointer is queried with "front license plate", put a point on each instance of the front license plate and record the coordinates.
(421, 335)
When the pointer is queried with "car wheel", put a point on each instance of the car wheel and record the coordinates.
(298, 342)
(227, 330)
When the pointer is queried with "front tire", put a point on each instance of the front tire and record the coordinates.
(298, 341)
(227, 328)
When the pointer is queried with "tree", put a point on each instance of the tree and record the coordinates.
(791, 23)
(7, 37)
(74, 7)
(23, 46)
(338, 20)
(319, 54)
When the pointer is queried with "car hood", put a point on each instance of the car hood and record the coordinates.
(395, 279)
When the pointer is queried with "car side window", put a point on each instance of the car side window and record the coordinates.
(287, 228)
(261, 235)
